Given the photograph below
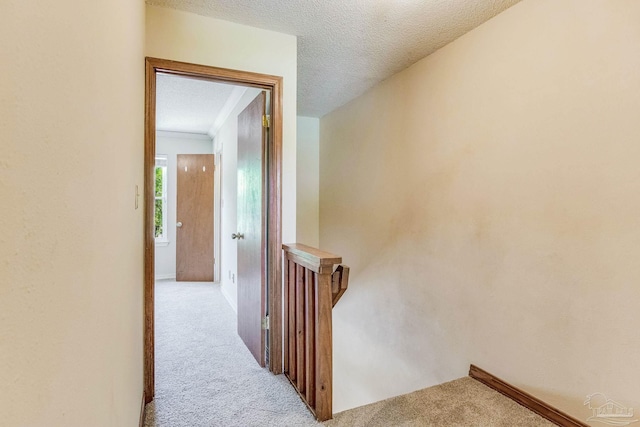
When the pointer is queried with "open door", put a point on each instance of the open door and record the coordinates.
(272, 224)
(194, 214)
(251, 217)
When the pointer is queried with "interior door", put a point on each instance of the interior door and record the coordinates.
(251, 217)
(194, 218)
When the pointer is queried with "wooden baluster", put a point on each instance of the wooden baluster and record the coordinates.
(285, 318)
(292, 321)
(300, 342)
(310, 357)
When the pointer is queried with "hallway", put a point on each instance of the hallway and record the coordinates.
(205, 376)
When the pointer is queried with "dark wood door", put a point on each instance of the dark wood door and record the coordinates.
(194, 218)
(251, 217)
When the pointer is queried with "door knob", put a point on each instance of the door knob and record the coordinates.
(178, 224)
(237, 236)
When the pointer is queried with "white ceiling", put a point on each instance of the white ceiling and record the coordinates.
(347, 46)
(195, 106)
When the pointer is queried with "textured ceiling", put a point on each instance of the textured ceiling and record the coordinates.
(189, 105)
(347, 46)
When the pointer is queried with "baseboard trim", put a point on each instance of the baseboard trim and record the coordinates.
(525, 399)
(144, 402)
(227, 296)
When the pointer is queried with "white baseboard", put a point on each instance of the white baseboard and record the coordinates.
(226, 295)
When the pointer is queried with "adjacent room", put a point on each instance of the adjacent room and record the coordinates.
(199, 356)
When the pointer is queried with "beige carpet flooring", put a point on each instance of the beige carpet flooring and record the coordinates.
(462, 403)
(206, 377)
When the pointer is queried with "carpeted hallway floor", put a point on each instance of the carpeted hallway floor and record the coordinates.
(206, 377)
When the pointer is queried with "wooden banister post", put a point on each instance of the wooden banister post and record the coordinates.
(324, 351)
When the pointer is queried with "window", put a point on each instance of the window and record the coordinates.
(160, 213)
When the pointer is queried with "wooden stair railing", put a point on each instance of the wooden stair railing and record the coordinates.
(339, 283)
(311, 289)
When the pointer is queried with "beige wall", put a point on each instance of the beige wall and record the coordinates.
(71, 281)
(487, 200)
(308, 180)
(181, 36)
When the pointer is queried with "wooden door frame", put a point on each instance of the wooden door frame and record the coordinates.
(273, 273)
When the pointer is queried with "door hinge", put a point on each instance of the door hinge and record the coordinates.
(265, 323)
(266, 121)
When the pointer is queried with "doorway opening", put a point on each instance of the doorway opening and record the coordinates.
(270, 242)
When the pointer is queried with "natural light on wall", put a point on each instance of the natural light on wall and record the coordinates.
(160, 214)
